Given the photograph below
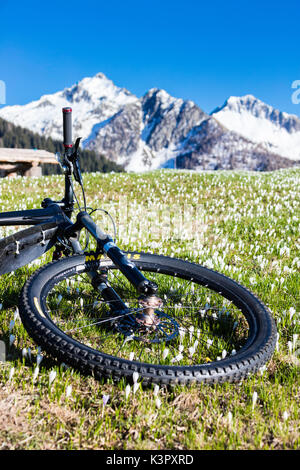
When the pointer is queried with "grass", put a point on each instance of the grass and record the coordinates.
(245, 225)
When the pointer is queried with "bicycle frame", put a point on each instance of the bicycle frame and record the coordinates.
(53, 223)
(31, 216)
(21, 248)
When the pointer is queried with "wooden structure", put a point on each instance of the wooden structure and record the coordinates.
(25, 162)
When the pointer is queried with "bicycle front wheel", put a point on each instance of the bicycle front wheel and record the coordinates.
(208, 328)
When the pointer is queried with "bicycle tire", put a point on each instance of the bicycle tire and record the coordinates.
(256, 350)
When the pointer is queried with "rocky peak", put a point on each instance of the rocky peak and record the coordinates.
(257, 108)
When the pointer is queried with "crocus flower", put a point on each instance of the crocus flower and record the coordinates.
(52, 376)
(135, 377)
(285, 415)
(127, 391)
(229, 418)
(131, 356)
(254, 399)
(39, 359)
(158, 403)
(105, 399)
(35, 373)
(11, 373)
(165, 353)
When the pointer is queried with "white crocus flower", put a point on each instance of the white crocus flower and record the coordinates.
(11, 373)
(158, 403)
(52, 376)
(135, 377)
(292, 312)
(254, 399)
(285, 415)
(191, 331)
(165, 353)
(229, 418)
(39, 359)
(277, 342)
(177, 358)
(35, 373)
(131, 356)
(16, 314)
(295, 338)
(127, 391)
(105, 399)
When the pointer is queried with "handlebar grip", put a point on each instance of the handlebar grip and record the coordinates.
(67, 126)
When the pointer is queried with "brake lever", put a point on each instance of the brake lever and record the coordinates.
(74, 159)
(77, 145)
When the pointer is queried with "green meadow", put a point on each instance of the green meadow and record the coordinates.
(242, 224)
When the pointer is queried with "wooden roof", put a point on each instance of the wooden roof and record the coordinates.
(12, 155)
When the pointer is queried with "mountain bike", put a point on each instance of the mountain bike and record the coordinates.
(110, 313)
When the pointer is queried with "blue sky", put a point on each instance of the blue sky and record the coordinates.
(203, 51)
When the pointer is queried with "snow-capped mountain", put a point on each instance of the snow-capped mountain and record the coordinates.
(160, 131)
(93, 100)
(146, 134)
(279, 132)
(211, 146)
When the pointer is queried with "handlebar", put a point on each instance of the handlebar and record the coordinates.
(67, 127)
(70, 163)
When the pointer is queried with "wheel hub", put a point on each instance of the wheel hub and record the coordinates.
(147, 316)
(147, 324)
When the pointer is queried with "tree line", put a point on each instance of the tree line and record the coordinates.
(12, 136)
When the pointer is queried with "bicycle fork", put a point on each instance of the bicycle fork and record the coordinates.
(105, 244)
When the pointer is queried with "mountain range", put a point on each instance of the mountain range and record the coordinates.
(160, 131)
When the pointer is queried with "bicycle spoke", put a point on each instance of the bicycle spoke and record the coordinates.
(193, 330)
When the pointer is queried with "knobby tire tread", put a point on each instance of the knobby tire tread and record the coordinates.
(99, 365)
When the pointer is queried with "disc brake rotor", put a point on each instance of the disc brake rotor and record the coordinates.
(163, 328)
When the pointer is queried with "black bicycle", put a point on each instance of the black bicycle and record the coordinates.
(111, 313)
